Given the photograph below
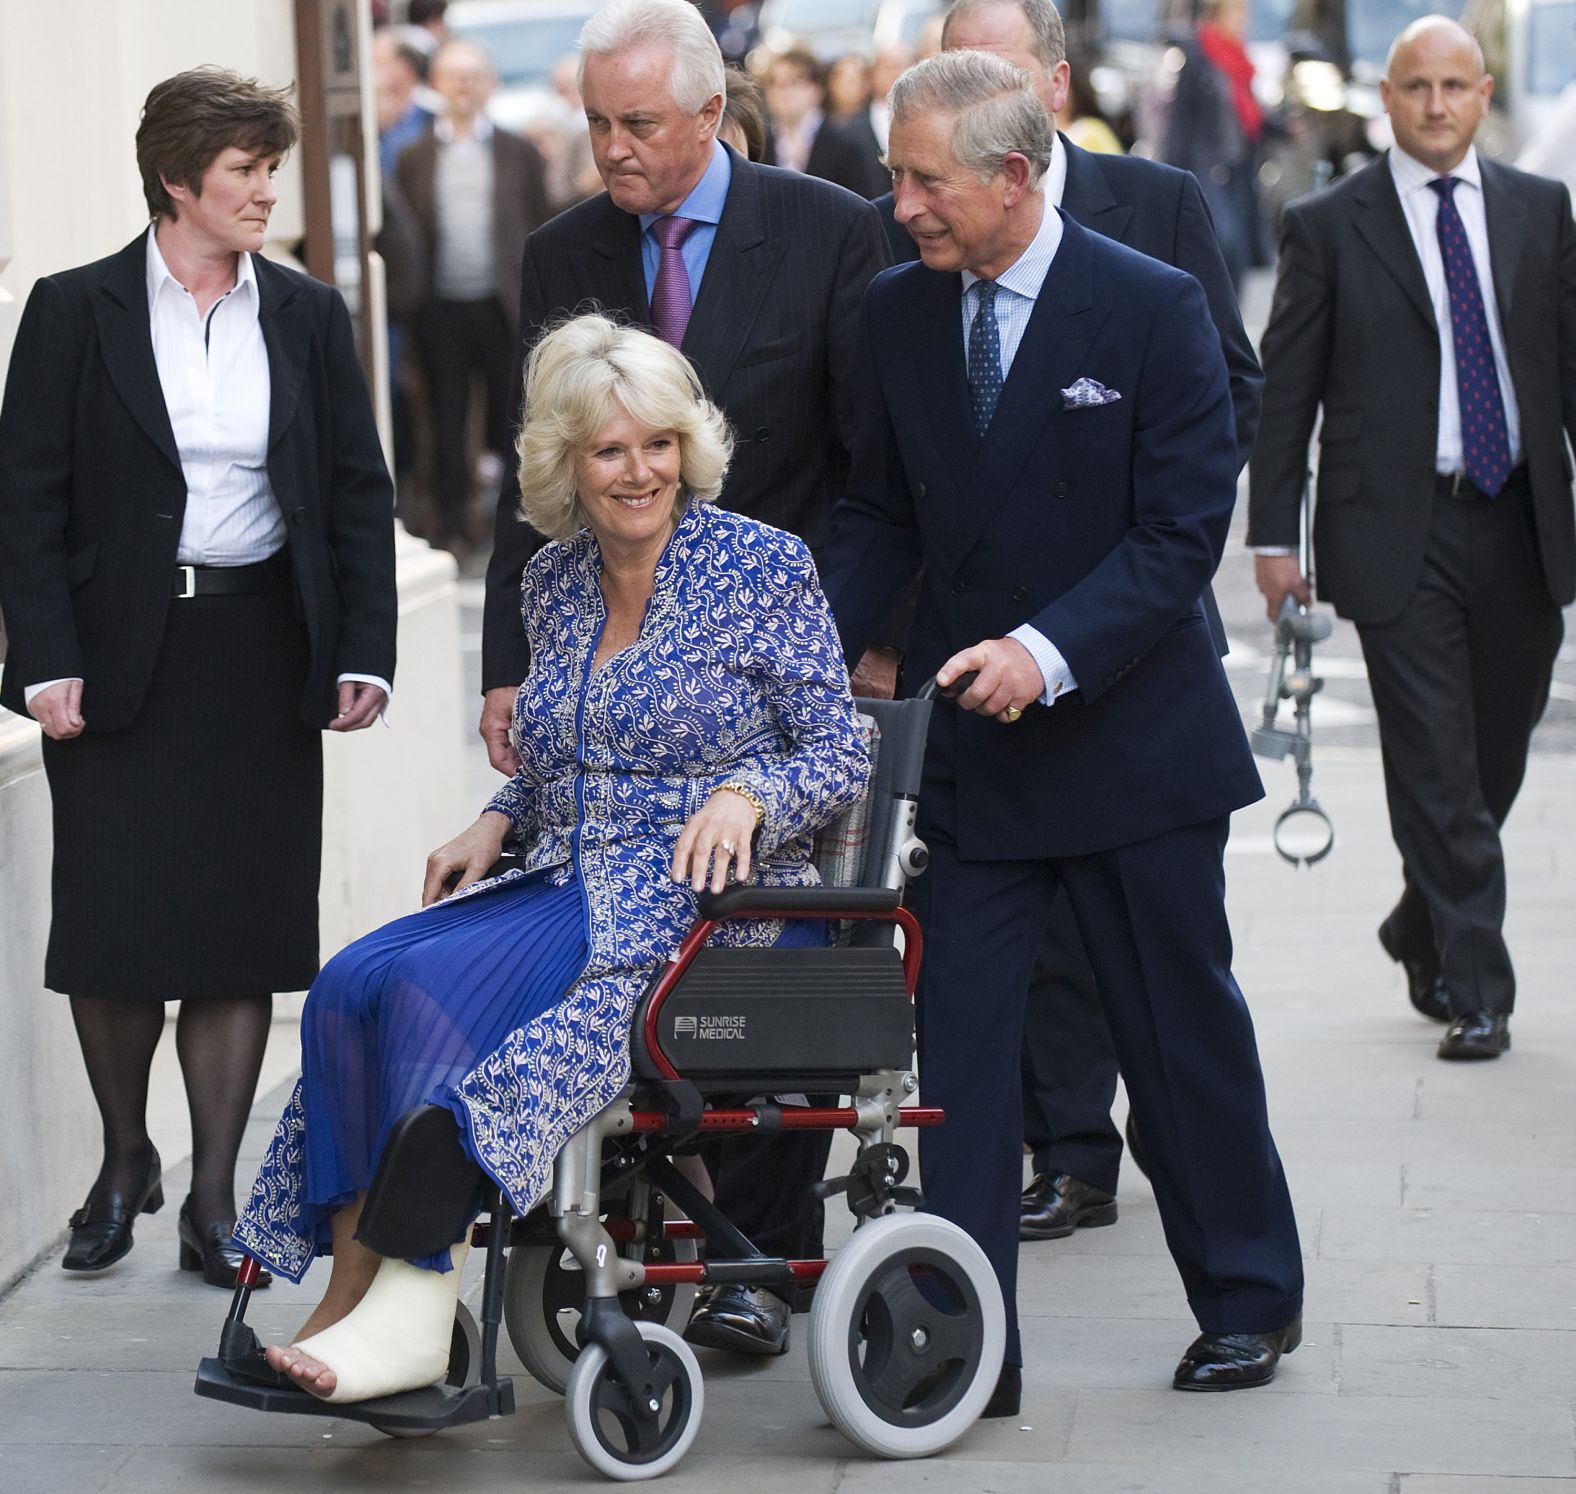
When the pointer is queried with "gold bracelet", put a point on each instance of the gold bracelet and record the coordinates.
(752, 798)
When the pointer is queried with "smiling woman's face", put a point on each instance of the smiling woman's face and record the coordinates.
(627, 480)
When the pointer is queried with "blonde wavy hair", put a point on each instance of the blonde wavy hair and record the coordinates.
(588, 371)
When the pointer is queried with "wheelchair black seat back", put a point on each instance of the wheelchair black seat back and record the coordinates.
(596, 1283)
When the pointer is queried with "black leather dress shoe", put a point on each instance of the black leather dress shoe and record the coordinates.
(1476, 1035)
(101, 1228)
(1235, 1361)
(741, 1319)
(1424, 984)
(1007, 1397)
(1055, 1204)
(212, 1252)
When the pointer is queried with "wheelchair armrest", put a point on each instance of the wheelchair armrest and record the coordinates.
(745, 901)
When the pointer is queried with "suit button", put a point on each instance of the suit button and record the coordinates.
(1020, 594)
(762, 432)
(1061, 490)
(959, 586)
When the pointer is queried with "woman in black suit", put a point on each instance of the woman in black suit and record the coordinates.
(197, 573)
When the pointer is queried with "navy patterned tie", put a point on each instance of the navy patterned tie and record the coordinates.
(984, 368)
(1485, 440)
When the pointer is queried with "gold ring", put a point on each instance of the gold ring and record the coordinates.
(1012, 713)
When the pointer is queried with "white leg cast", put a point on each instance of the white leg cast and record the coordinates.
(397, 1337)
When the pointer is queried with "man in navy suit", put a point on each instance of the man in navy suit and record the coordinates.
(1046, 435)
(1069, 1063)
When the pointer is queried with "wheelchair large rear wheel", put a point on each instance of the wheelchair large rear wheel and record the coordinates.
(602, 1423)
(544, 1290)
(465, 1365)
(906, 1335)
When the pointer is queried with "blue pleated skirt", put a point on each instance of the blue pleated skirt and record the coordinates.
(396, 1019)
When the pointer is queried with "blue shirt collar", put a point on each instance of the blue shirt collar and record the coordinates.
(707, 197)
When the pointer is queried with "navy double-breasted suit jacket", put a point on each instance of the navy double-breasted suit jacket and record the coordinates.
(1099, 525)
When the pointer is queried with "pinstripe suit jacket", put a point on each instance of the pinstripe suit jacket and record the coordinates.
(772, 336)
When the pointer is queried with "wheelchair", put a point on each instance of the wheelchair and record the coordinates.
(595, 1285)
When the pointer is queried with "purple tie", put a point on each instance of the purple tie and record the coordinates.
(1485, 441)
(670, 296)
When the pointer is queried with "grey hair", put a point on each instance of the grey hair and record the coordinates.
(586, 372)
(997, 110)
(676, 24)
(1047, 35)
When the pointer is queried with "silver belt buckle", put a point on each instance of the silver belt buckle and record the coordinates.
(188, 584)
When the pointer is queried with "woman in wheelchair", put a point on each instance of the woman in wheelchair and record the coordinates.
(686, 719)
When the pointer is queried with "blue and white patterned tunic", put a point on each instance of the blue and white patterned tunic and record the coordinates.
(737, 676)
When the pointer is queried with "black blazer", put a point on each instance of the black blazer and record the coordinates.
(772, 335)
(1159, 211)
(1098, 524)
(92, 496)
(1352, 330)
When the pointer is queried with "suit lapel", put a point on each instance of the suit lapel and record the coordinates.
(286, 334)
(1051, 356)
(1087, 196)
(126, 340)
(608, 269)
(1381, 224)
(739, 273)
(939, 357)
(1507, 233)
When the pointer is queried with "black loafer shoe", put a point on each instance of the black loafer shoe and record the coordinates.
(1476, 1035)
(212, 1252)
(742, 1320)
(1055, 1204)
(1424, 984)
(1007, 1397)
(1235, 1361)
(101, 1228)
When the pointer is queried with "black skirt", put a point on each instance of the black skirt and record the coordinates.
(188, 847)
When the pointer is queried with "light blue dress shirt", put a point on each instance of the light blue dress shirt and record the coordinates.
(704, 205)
(1017, 289)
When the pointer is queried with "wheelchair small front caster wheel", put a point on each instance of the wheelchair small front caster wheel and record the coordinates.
(544, 1290)
(906, 1336)
(465, 1366)
(602, 1423)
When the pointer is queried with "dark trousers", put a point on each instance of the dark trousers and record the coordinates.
(459, 341)
(1153, 919)
(1459, 680)
(763, 1183)
(1069, 1068)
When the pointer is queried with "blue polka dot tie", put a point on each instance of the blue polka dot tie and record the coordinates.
(1485, 441)
(984, 368)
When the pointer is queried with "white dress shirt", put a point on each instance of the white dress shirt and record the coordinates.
(1017, 289)
(213, 373)
(1421, 204)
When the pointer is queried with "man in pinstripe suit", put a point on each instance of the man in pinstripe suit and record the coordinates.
(756, 274)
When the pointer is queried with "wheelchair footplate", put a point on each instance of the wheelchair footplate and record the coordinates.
(428, 1410)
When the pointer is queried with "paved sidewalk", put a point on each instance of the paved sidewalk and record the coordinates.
(1438, 1214)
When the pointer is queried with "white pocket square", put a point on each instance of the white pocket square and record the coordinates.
(1087, 393)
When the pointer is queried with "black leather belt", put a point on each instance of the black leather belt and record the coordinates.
(1455, 485)
(230, 580)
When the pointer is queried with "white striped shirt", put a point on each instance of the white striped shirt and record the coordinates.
(213, 372)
